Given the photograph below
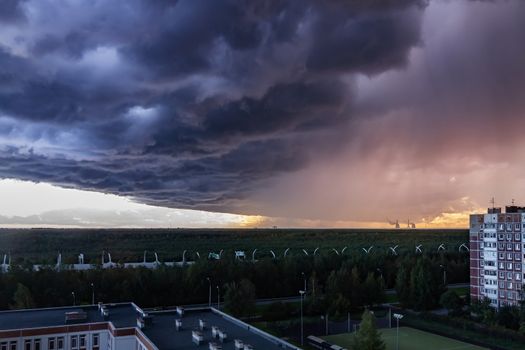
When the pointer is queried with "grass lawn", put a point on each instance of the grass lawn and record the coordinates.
(409, 339)
(462, 291)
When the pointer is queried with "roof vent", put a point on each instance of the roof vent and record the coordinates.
(75, 317)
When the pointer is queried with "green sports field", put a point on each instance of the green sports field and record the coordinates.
(409, 339)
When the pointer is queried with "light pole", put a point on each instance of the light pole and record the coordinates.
(444, 275)
(92, 294)
(301, 293)
(380, 272)
(74, 298)
(209, 291)
(304, 278)
(218, 298)
(397, 317)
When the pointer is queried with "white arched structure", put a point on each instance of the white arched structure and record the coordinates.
(393, 249)
(6, 263)
(465, 247)
(59, 262)
(367, 251)
(240, 254)
(109, 264)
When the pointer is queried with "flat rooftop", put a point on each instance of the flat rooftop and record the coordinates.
(161, 331)
(164, 335)
(121, 315)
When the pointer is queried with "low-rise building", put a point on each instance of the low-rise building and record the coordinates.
(125, 326)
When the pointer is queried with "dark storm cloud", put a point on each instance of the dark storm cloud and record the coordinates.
(365, 45)
(187, 103)
(11, 10)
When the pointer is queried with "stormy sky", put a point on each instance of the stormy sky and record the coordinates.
(298, 113)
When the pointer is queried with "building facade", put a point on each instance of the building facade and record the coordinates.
(497, 255)
(126, 326)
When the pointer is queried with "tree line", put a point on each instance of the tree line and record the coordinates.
(343, 280)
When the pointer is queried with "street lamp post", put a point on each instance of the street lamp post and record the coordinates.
(444, 275)
(301, 293)
(74, 298)
(380, 272)
(304, 278)
(92, 294)
(209, 291)
(397, 317)
(218, 298)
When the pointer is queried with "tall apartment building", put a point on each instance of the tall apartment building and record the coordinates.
(497, 255)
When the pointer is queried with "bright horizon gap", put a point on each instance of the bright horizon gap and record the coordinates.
(43, 205)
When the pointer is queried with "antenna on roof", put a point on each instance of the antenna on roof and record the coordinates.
(493, 202)
(512, 201)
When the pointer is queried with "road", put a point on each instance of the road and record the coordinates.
(293, 299)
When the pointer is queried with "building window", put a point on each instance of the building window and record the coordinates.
(13, 345)
(518, 276)
(82, 341)
(95, 340)
(36, 344)
(517, 237)
(60, 343)
(51, 344)
(517, 256)
(74, 342)
(509, 275)
(27, 345)
(3, 346)
(517, 267)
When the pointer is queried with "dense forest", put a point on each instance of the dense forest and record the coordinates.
(359, 278)
(38, 246)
